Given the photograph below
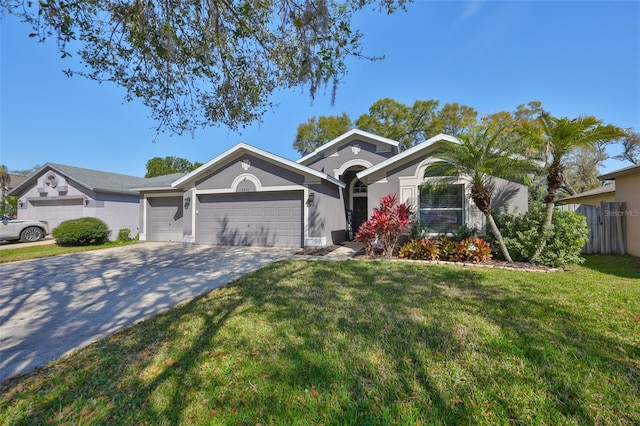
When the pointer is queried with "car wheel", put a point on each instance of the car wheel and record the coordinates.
(31, 234)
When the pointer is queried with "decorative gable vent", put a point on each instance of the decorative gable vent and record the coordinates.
(51, 180)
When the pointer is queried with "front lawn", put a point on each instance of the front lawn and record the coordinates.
(34, 252)
(359, 342)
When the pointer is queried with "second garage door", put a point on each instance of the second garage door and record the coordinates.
(165, 219)
(251, 219)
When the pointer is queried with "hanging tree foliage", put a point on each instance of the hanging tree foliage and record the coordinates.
(200, 62)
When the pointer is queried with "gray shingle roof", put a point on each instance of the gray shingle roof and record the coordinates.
(99, 181)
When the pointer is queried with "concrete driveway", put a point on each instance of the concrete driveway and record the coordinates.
(52, 306)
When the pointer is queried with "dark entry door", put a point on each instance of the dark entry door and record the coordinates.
(359, 212)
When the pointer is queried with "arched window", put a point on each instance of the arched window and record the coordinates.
(359, 187)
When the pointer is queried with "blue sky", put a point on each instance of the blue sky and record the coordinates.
(576, 57)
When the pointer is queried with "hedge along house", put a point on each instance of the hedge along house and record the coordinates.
(56, 193)
(247, 196)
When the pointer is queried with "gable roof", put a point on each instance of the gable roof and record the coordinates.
(409, 153)
(93, 180)
(604, 189)
(272, 158)
(351, 135)
(634, 168)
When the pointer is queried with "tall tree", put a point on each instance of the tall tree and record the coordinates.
(455, 119)
(317, 132)
(630, 148)
(406, 124)
(484, 153)
(197, 63)
(158, 166)
(583, 168)
(556, 138)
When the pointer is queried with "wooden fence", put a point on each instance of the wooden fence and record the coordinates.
(606, 225)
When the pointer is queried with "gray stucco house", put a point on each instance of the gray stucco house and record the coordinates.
(56, 193)
(247, 196)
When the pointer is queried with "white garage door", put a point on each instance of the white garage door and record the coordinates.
(56, 211)
(251, 219)
(165, 219)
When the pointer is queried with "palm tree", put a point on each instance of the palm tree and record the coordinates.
(482, 155)
(556, 138)
(5, 180)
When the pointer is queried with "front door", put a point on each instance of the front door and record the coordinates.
(360, 212)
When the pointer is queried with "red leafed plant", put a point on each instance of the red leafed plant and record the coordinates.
(387, 224)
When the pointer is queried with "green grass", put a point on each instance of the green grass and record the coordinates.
(368, 343)
(46, 250)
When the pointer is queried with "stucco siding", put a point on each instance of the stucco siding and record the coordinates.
(510, 196)
(117, 211)
(267, 173)
(326, 217)
(627, 191)
(351, 151)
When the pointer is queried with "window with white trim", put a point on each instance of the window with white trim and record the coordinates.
(442, 209)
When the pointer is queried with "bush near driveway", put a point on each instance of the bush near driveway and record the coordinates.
(371, 342)
(84, 231)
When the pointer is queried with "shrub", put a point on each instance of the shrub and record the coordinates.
(84, 231)
(123, 235)
(420, 249)
(522, 234)
(473, 250)
(468, 250)
(418, 230)
(463, 232)
(386, 226)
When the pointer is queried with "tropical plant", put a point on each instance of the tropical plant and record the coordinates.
(420, 249)
(5, 180)
(556, 138)
(478, 158)
(386, 225)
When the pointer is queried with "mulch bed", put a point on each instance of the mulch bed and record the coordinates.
(493, 263)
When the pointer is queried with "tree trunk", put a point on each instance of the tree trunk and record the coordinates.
(496, 233)
(546, 227)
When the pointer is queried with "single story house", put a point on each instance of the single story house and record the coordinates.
(593, 197)
(56, 193)
(627, 182)
(248, 196)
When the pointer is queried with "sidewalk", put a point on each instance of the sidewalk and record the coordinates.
(344, 252)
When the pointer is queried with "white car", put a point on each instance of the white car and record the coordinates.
(26, 231)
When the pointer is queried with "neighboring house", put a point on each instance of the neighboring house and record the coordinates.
(15, 181)
(593, 197)
(628, 191)
(56, 193)
(247, 196)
